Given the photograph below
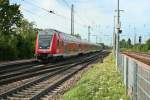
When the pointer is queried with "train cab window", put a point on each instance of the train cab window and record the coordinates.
(44, 40)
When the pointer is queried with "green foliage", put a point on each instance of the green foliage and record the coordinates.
(129, 42)
(102, 82)
(17, 35)
(18, 46)
(7, 48)
(148, 45)
(26, 39)
(126, 46)
(78, 36)
(10, 17)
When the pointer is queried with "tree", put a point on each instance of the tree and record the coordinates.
(17, 35)
(148, 45)
(78, 36)
(10, 17)
(26, 35)
(129, 41)
(123, 43)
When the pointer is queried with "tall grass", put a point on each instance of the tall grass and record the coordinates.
(101, 82)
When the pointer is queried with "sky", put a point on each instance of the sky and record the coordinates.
(99, 14)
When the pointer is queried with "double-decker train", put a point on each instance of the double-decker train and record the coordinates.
(51, 43)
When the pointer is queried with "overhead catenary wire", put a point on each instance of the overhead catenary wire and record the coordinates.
(76, 13)
(39, 16)
(82, 21)
(55, 13)
(80, 17)
(67, 4)
(52, 12)
(31, 12)
(48, 11)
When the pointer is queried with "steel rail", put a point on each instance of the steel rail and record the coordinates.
(38, 80)
(31, 72)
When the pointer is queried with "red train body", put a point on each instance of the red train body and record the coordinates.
(51, 43)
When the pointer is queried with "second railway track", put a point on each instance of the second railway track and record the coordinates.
(141, 56)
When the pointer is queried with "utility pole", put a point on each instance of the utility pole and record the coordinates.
(134, 35)
(95, 38)
(100, 41)
(89, 28)
(129, 28)
(114, 37)
(72, 19)
(118, 26)
(109, 38)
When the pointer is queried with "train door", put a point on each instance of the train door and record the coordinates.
(60, 44)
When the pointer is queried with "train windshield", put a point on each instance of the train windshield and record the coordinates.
(45, 41)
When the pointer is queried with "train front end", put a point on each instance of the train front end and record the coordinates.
(43, 50)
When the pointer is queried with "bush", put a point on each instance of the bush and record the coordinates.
(138, 47)
(18, 46)
(7, 51)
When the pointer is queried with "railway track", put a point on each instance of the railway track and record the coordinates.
(15, 64)
(10, 67)
(40, 85)
(27, 71)
(141, 56)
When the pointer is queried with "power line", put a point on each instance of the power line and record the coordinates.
(35, 14)
(79, 16)
(37, 6)
(31, 12)
(49, 11)
(69, 19)
(67, 4)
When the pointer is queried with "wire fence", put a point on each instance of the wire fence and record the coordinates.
(136, 77)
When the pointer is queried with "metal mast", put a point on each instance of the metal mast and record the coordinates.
(117, 33)
(134, 35)
(72, 19)
(89, 27)
(114, 37)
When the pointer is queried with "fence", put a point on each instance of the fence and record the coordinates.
(136, 77)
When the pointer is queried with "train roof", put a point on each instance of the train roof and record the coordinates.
(66, 36)
(47, 31)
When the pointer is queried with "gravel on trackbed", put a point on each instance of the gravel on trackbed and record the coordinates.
(8, 87)
(58, 93)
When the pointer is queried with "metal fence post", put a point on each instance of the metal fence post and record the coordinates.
(136, 76)
(127, 64)
(122, 66)
(135, 81)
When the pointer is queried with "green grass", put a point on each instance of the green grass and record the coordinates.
(102, 82)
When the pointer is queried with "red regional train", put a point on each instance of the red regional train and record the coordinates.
(52, 43)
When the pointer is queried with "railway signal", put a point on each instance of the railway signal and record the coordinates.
(140, 39)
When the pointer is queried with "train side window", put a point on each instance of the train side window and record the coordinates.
(62, 43)
(58, 44)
